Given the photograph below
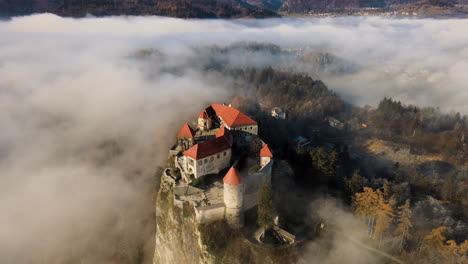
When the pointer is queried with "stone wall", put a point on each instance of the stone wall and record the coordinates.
(213, 164)
(253, 182)
(210, 213)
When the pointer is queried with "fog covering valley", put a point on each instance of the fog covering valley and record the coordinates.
(89, 108)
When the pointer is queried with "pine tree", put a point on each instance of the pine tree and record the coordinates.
(265, 206)
(404, 224)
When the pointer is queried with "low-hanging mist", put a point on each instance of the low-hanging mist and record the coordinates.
(86, 119)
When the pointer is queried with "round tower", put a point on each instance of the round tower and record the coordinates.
(233, 198)
(265, 156)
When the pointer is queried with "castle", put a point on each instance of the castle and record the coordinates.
(222, 133)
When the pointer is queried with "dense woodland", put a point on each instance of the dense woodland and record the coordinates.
(172, 8)
(416, 212)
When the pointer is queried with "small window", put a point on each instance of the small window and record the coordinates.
(224, 153)
(217, 156)
(212, 158)
(200, 162)
(206, 161)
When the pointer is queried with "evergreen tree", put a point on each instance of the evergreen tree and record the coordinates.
(265, 206)
(325, 163)
(404, 224)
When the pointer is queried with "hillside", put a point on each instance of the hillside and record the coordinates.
(425, 8)
(172, 8)
(235, 8)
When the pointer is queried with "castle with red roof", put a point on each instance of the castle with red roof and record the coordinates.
(232, 129)
(221, 132)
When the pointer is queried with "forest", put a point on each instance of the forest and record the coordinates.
(416, 210)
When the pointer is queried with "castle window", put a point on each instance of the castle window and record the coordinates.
(212, 158)
(206, 161)
(224, 153)
(191, 162)
(200, 162)
(217, 156)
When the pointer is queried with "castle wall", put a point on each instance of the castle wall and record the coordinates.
(243, 134)
(234, 195)
(234, 217)
(264, 161)
(210, 213)
(253, 183)
(212, 164)
(204, 124)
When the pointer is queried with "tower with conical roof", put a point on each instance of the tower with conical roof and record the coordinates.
(233, 198)
(265, 156)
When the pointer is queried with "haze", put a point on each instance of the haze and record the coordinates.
(85, 123)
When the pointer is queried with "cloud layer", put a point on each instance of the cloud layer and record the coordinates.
(85, 123)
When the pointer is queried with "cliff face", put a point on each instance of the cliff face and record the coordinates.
(178, 239)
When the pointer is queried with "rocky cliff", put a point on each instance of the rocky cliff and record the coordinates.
(180, 239)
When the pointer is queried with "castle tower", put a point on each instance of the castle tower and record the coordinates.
(185, 137)
(233, 198)
(265, 156)
(204, 118)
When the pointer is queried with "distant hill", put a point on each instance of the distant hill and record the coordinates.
(173, 8)
(432, 8)
(235, 8)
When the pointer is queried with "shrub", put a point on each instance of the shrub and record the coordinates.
(254, 169)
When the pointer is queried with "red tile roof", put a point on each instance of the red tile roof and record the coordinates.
(232, 177)
(224, 132)
(266, 152)
(186, 132)
(208, 148)
(232, 116)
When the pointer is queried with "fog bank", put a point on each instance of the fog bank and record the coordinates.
(85, 121)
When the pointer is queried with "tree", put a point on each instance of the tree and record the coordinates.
(354, 185)
(325, 163)
(384, 216)
(265, 206)
(437, 249)
(319, 159)
(365, 205)
(404, 224)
